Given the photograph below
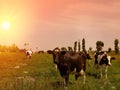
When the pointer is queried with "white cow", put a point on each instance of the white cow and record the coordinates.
(28, 54)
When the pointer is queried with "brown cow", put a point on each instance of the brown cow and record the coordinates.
(68, 62)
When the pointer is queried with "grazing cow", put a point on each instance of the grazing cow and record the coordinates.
(102, 59)
(28, 54)
(67, 62)
(40, 51)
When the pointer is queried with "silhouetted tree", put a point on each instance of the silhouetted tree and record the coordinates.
(70, 48)
(83, 44)
(99, 45)
(63, 49)
(116, 42)
(75, 46)
(13, 48)
(26, 44)
(79, 46)
(109, 50)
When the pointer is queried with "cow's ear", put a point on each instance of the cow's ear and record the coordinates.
(63, 52)
(88, 57)
(50, 51)
(113, 58)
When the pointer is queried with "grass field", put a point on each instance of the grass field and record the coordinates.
(39, 73)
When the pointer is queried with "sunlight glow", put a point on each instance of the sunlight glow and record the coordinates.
(5, 25)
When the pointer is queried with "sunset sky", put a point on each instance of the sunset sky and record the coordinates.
(47, 24)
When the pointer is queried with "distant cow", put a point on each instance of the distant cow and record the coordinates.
(68, 62)
(28, 54)
(40, 51)
(102, 59)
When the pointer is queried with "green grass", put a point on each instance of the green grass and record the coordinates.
(39, 73)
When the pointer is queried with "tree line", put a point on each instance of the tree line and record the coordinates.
(77, 46)
(11, 48)
(99, 46)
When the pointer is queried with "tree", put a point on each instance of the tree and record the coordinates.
(99, 45)
(116, 42)
(13, 48)
(70, 48)
(63, 49)
(75, 46)
(83, 45)
(79, 46)
(26, 44)
(109, 49)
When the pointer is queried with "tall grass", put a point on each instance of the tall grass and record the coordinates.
(39, 73)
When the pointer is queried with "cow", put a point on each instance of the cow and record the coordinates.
(102, 59)
(40, 51)
(28, 54)
(67, 62)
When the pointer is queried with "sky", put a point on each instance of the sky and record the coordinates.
(46, 24)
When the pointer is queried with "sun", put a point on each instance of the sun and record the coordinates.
(5, 25)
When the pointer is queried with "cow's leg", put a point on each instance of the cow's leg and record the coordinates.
(84, 78)
(106, 77)
(66, 79)
(56, 67)
(100, 71)
(30, 57)
(82, 72)
(77, 73)
(26, 56)
(76, 76)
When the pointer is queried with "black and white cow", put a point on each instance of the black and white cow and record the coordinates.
(28, 54)
(102, 61)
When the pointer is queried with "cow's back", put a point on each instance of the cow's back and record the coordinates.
(76, 60)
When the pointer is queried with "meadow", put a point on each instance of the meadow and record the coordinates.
(39, 73)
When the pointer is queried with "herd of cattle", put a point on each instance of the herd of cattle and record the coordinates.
(67, 62)
(70, 61)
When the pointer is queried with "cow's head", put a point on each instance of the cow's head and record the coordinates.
(88, 57)
(63, 64)
(109, 60)
(54, 53)
(59, 56)
(106, 59)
